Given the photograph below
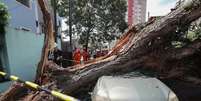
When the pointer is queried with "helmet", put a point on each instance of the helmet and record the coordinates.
(55, 45)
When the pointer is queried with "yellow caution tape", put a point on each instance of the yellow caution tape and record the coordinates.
(62, 96)
(33, 85)
(37, 87)
(14, 78)
(2, 73)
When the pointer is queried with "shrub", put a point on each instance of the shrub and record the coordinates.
(4, 16)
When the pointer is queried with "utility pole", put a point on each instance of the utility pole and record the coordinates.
(70, 47)
(70, 22)
(55, 20)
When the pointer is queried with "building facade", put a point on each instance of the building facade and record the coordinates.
(25, 15)
(136, 11)
(21, 45)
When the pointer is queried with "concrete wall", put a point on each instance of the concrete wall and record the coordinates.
(22, 48)
(24, 51)
(21, 16)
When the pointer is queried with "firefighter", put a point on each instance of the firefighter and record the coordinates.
(76, 56)
(80, 56)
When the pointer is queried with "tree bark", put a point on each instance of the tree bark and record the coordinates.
(13, 93)
(142, 47)
(145, 49)
(48, 41)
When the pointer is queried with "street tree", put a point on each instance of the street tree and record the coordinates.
(145, 47)
(3, 17)
(95, 21)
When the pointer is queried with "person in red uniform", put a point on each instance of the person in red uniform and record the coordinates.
(85, 55)
(76, 56)
(80, 56)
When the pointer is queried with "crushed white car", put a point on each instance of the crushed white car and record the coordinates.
(110, 88)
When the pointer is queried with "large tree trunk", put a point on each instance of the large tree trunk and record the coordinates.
(48, 42)
(141, 47)
(12, 94)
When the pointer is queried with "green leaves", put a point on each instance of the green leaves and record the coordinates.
(195, 31)
(4, 16)
(96, 21)
(186, 34)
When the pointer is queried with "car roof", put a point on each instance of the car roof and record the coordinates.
(131, 89)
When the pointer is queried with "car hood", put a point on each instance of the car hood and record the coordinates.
(110, 88)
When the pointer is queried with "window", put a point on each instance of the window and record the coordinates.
(25, 2)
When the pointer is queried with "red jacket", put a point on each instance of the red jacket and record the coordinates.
(77, 54)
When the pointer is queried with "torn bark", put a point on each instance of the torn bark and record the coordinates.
(48, 41)
(144, 48)
(14, 92)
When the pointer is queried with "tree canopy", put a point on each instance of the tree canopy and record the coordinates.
(95, 21)
(3, 17)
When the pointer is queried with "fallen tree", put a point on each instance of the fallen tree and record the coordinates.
(145, 46)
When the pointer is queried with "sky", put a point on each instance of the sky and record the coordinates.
(160, 7)
(154, 7)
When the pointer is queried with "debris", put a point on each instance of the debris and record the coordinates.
(35, 86)
(129, 54)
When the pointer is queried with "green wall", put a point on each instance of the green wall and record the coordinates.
(23, 51)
